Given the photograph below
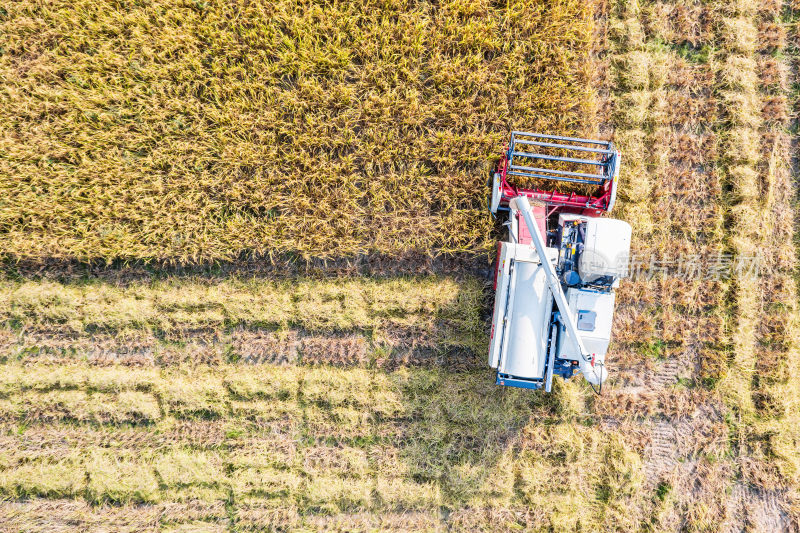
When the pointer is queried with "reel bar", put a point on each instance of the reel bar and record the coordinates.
(559, 178)
(558, 158)
(565, 146)
(561, 138)
(559, 172)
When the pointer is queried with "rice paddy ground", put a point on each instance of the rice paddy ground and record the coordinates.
(189, 132)
(141, 399)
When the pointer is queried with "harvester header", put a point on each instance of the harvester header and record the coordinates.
(591, 163)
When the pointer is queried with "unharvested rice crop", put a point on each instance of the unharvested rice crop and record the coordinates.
(185, 131)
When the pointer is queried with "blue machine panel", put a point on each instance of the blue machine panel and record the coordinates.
(511, 381)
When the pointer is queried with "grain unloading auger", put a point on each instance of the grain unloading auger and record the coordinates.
(561, 251)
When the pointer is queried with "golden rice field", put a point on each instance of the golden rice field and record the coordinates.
(187, 132)
(176, 390)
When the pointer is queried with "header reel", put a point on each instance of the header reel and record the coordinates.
(589, 162)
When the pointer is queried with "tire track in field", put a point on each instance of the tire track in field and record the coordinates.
(750, 509)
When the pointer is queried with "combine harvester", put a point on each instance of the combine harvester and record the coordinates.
(559, 249)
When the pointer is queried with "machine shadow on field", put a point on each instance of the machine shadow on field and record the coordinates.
(462, 432)
(322, 387)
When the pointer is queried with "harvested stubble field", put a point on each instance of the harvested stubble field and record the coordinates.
(139, 399)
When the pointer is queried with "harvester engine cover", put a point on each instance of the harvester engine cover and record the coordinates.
(556, 273)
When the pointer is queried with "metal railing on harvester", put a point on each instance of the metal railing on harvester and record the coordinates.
(568, 159)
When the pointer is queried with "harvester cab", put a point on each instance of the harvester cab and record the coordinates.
(556, 273)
